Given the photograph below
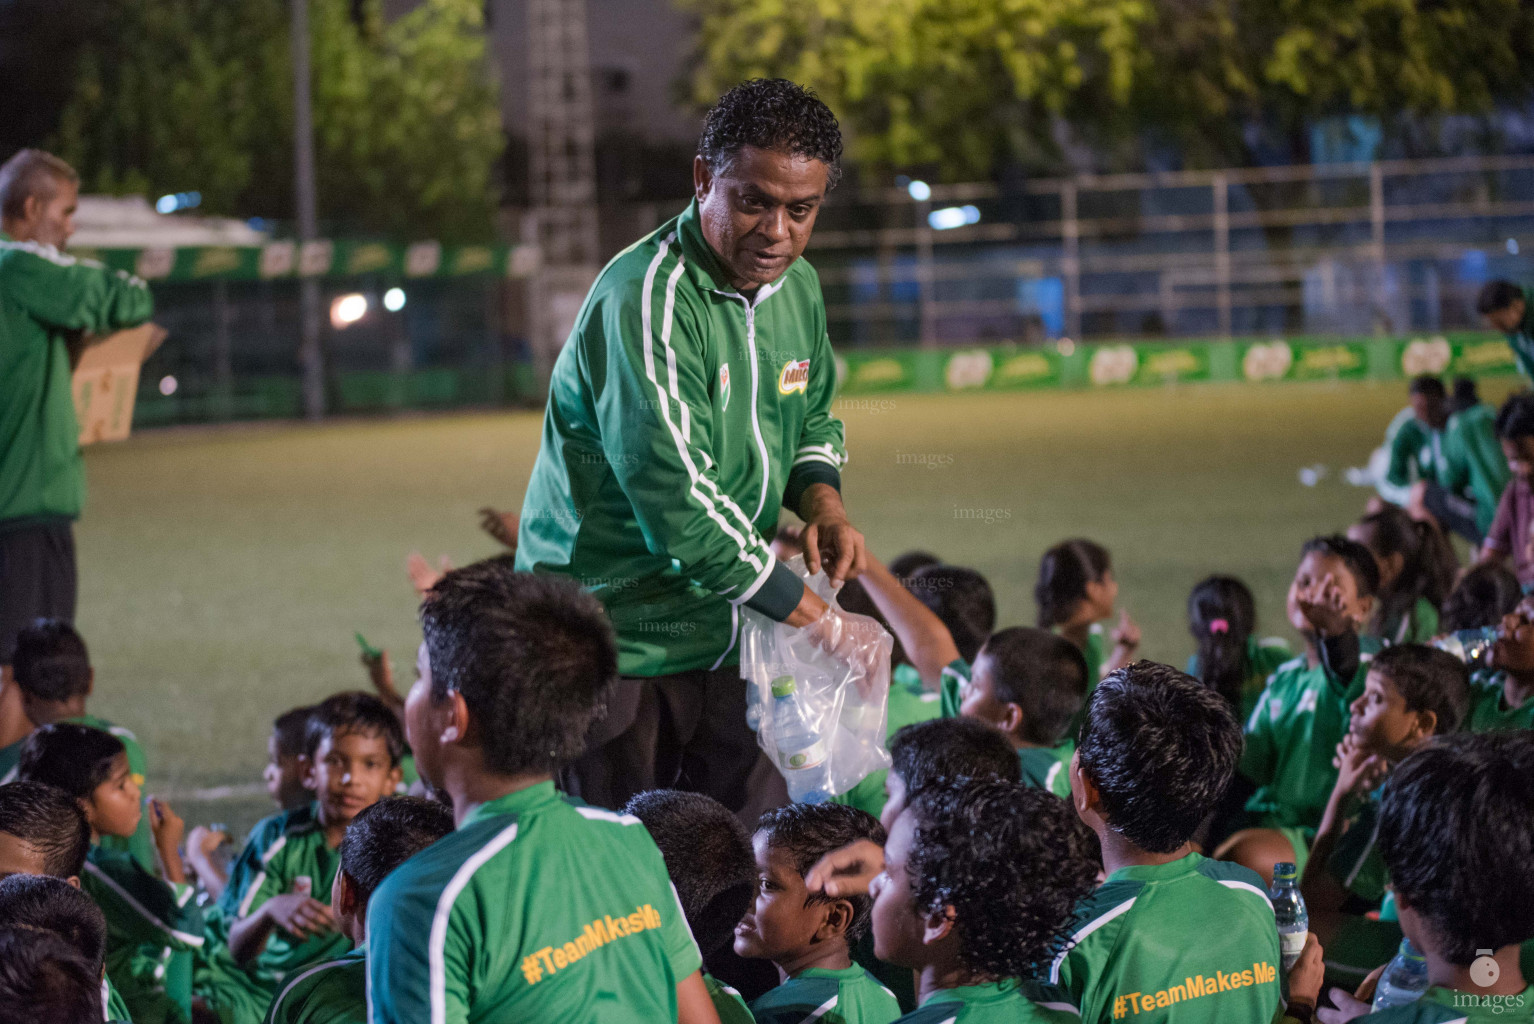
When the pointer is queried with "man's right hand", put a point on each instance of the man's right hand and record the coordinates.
(299, 915)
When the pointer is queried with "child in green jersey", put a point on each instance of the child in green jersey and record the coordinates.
(1454, 835)
(1231, 659)
(977, 883)
(378, 840)
(809, 936)
(45, 979)
(538, 909)
(944, 748)
(711, 863)
(1411, 694)
(1170, 936)
(1030, 685)
(42, 832)
(53, 672)
(1417, 569)
(287, 762)
(152, 924)
(1302, 714)
(1484, 595)
(1076, 590)
(1503, 698)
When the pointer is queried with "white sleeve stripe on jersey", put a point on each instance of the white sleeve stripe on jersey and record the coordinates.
(750, 592)
(821, 1010)
(734, 635)
(1363, 856)
(1231, 883)
(1054, 968)
(436, 948)
(250, 893)
(830, 460)
(195, 941)
(276, 1004)
(1054, 773)
(1061, 1008)
(599, 814)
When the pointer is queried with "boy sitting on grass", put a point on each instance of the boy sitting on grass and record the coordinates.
(152, 924)
(284, 921)
(1193, 939)
(1030, 684)
(538, 908)
(710, 860)
(53, 672)
(1454, 834)
(1411, 694)
(378, 840)
(1302, 714)
(978, 883)
(807, 935)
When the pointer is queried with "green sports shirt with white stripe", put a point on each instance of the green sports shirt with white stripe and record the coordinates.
(827, 996)
(298, 861)
(995, 1003)
(329, 992)
(1192, 941)
(656, 486)
(537, 909)
(727, 1002)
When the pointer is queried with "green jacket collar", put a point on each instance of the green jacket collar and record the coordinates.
(703, 266)
(994, 992)
(1158, 872)
(520, 802)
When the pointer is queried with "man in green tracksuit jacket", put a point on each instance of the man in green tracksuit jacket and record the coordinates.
(1510, 309)
(46, 298)
(692, 400)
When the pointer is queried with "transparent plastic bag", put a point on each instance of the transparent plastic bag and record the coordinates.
(818, 696)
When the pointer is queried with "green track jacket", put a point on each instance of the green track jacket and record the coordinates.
(44, 295)
(681, 415)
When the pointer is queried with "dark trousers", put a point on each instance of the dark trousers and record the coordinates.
(37, 578)
(682, 731)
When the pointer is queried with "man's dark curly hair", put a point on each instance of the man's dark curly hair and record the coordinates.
(533, 656)
(807, 832)
(708, 856)
(1454, 833)
(1011, 860)
(775, 114)
(1161, 748)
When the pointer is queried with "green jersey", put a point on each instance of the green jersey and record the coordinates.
(249, 864)
(1143, 946)
(9, 756)
(1355, 862)
(298, 861)
(1489, 709)
(330, 992)
(1522, 339)
(1263, 658)
(1048, 767)
(538, 908)
(112, 1002)
(1477, 467)
(1440, 1005)
(141, 843)
(910, 702)
(1291, 738)
(1003, 1003)
(1417, 627)
(1416, 453)
(152, 928)
(654, 486)
(46, 296)
(727, 1002)
(849, 996)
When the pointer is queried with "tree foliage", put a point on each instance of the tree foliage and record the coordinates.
(969, 87)
(183, 95)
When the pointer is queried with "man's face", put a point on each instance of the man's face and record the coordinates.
(50, 221)
(757, 214)
(1508, 317)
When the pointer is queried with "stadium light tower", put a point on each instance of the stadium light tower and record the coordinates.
(562, 140)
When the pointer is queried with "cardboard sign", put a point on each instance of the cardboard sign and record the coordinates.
(106, 381)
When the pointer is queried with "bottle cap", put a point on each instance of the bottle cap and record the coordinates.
(1411, 952)
(1284, 871)
(783, 686)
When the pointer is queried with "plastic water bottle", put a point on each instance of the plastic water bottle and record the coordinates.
(1404, 980)
(801, 750)
(1289, 910)
(1471, 646)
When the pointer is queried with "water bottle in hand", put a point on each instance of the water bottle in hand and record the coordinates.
(801, 749)
(1471, 646)
(1404, 980)
(1289, 911)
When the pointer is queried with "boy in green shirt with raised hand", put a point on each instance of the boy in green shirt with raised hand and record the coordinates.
(377, 841)
(538, 908)
(710, 860)
(807, 935)
(152, 925)
(1454, 835)
(1170, 937)
(53, 671)
(1503, 698)
(1302, 714)
(1031, 685)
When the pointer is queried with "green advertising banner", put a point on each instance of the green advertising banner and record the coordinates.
(1064, 364)
(327, 258)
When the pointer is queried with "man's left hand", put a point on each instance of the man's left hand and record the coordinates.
(830, 541)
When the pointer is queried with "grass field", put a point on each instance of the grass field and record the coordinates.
(224, 571)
